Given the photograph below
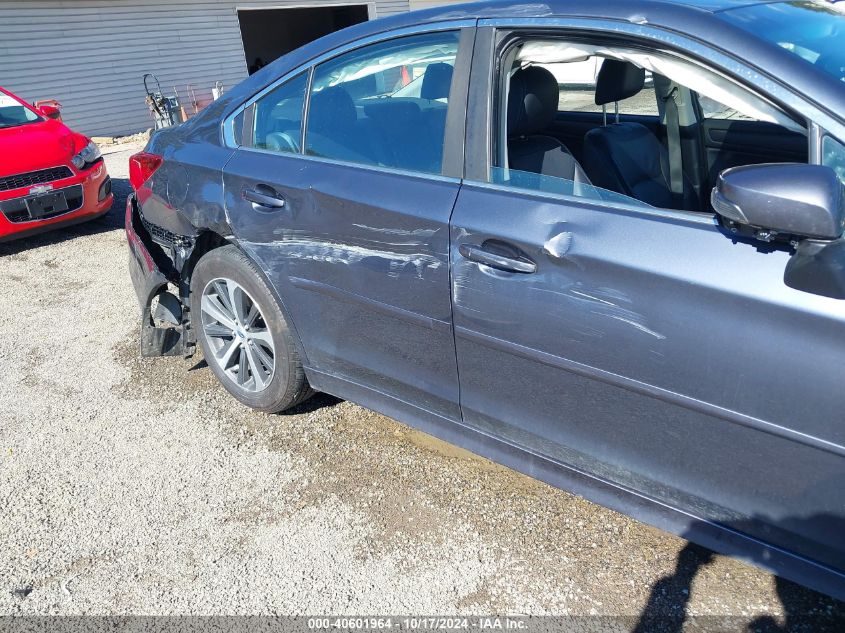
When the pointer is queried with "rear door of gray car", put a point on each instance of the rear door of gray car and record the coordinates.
(652, 350)
(356, 243)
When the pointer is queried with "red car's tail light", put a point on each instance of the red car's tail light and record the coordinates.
(141, 166)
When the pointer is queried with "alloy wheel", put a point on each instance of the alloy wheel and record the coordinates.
(237, 335)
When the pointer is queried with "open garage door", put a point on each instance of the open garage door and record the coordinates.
(270, 33)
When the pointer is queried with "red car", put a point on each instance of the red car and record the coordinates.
(50, 176)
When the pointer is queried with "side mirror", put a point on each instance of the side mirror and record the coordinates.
(788, 198)
(51, 112)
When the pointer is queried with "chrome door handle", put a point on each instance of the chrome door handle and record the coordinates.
(494, 260)
(264, 196)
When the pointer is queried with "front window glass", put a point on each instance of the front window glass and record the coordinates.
(811, 30)
(552, 137)
(833, 155)
(13, 113)
(712, 109)
(278, 116)
(384, 104)
(561, 186)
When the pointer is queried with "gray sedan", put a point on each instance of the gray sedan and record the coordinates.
(599, 243)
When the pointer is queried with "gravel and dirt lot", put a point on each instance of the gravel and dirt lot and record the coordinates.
(132, 486)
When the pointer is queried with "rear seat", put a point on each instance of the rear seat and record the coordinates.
(334, 130)
(401, 132)
(406, 133)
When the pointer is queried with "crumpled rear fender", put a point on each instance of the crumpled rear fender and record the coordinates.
(151, 271)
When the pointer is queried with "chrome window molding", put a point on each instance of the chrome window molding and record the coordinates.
(227, 127)
(816, 134)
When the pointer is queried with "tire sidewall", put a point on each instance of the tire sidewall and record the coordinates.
(228, 262)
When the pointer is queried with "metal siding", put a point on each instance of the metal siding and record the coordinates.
(427, 4)
(91, 54)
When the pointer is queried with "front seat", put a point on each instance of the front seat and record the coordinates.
(436, 81)
(532, 105)
(627, 157)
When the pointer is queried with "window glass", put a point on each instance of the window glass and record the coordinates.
(12, 113)
(539, 148)
(278, 116)
(833, 155)
(238, 126)
(712, 109)
(562, 186)
(812, 31)
(577, 83)
(384, 104)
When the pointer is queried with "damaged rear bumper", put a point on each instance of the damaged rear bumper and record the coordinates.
(152, 267)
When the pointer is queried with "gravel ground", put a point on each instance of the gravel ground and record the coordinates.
(135, 486)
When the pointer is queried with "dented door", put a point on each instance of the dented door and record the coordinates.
(654, 351)
(359, 257)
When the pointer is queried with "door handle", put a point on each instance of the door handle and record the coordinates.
(264, 196)
(494, 260)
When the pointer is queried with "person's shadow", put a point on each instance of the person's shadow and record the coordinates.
(804, 609)
(666, 608)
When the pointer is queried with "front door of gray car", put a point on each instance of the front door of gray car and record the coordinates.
(358, 251)
(653, 350)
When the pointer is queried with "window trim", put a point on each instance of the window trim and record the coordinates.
(227, 125)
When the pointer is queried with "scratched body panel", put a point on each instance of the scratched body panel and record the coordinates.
(361, 259)
(651, 350)
(650, 361)
(189, 180)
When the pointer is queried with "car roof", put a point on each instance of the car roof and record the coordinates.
(509, 8)
(696, 18)
(683, 15)
(680, 13)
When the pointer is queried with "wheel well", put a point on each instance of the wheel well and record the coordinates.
(206, 242)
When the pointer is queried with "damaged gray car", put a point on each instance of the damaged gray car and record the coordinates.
(602, 245)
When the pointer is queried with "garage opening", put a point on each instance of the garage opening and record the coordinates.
(270, 33)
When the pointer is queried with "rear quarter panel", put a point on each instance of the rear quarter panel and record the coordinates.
(186, 193)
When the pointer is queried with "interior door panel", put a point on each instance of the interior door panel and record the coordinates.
(729, 143)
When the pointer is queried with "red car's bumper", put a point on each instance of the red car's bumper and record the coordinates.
(87, 195)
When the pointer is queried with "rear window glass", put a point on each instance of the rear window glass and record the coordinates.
(384, 104)
(278, 116)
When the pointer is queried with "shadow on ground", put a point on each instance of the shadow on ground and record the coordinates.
(805, 611)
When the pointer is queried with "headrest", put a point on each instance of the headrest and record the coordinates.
(391, 110)
(618, 80)
(332, 108)
(532, 100)
(436, 81)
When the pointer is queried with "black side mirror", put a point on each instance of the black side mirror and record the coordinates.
(786, 198)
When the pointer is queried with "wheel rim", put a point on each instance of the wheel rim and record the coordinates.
(236, 333)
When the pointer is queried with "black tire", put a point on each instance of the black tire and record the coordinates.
(288, 386)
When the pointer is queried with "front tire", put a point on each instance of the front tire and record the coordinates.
(243, 334)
